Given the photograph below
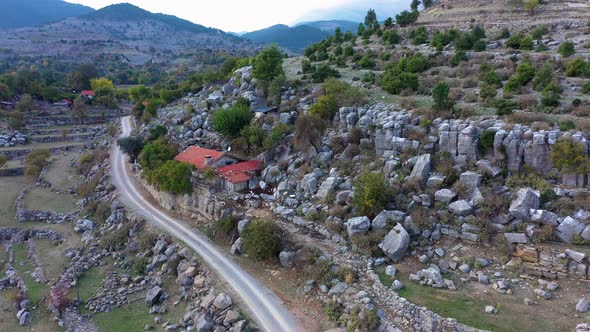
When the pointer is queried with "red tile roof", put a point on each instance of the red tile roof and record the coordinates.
(87, 93)
(197, 156)
(239, 172)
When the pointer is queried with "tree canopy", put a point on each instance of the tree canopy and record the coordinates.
(268, 64)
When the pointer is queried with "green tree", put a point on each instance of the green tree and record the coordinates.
(569, 156)
(344, 93)
(531, 5)
(323, 72)
(25, 103)
(229, 122)
(261, 240)
(566, 49)
(372, 193)
(132, 146)
(102, 86)
(550, 96)
(370, 18)
(173, 177)
(79, 78)
(268, 64)
(325, 107)
(427, 3)
(406, 18)
(440, 96)
(543, 77)
(394, 81)
(414, 5)
(80, 110)
(139, 93)
(153, 155)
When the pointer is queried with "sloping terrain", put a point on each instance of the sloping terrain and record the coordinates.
(498, 14)
(28, 13)
(295, 38)
(126, 30)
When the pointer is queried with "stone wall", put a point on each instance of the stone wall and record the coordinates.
(202, 204)
(21, 153)
(552, 262)
(515, 145)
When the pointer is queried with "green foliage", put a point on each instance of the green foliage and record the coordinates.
(157, 132)
(487, 92)
(367, 62)
(268, 64)
(35, 161)
(173, 177)
(325, 107)
(132, 146)
(139, 265)
(154, 154)
(569, 156)
(526, 43)
(168, 96)
(440, 96)
(543, 77)
(566, 49)
(261, 240)
(515, 41)
(391, 37)
(550, 95)
(98, 210)
(227, 225)
(577, 68)
(344, 93)
(394, 82)
(254, 136)
(229, 122)
(586, 88)
(413, 64)
(486, 142)
(567, 125)
(525, 72)
(372, 192)
(406, 18)
(419, 35)
(505, 106)
(441, 39)
(479, 46)
(459, 56)
(323, 72)
(3, 161)
(504, 33)
(539, 32)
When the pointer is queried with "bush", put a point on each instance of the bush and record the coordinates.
(372, 193)
(514, 41)
(308, 131)
(139, 265)
(227, 225)
(323, 72)
(261, 240)
(153, 155)
(505, 106)
(366, 62)
(459, 56)
(394, 82)
(406, 18)
(173, 177)
(230, 122)
(98, 211)
(569, 156)
(586, 88)
(90, 159)
(566, 49)
(35, 161)
(131, 146)
(440, 96)
(419, 35)
(268, 64)
(486, 142)
(577, 68)
(344, 93)
(325, 107)
(543, 77)
(526, 43)
(550, 95)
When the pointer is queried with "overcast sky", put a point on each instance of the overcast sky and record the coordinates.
(249, 15)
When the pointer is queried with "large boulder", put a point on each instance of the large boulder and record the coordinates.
(461, 208)
(287, 258)
(471, 180)
(395, 243)
(309, 183)
(358, 225)
(222, 301)
(421, 169)
(84, 225)
(526, 199)
(387, 216)
(444, 195)
(516, 238)
(153, 296)
(544, 217)
(327, 187)
(569, 228)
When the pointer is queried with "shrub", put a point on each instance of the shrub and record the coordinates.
(35, 161)
(227, 225)
(325, 107)
(539, 32)
(173, 177)
(117, 238)
(98, 210)
(366, 62)
(155, 154)
(419, 35)
(459, 56)
(229, 122)
(505, 106)
(569, 156)
(268, 64)
(486, 142)
(515, 41)
(550, 95)
(308, 131)
(566, 49)
(406, 18)
(577, 68)
(543, 77)
(332, 310)
(139, 265)
(344, 93)
(90, 159)
(323, 72)
(394, 82)
(261, 240)
(440, 96)
(586, 88)
(372, 192)
(526, 43)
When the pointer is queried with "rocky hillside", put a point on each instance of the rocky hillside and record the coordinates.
(497, 14)
(126, 30)
(28, 13)
(295, 38)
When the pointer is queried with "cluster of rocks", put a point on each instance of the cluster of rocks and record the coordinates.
(552, 263)
(13, 138)
(115, 290)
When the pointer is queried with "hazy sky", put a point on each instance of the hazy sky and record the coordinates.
(248, 15)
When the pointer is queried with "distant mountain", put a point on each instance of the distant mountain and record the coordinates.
(294, 38)
(355, 11)
(30, 13)
(331, 25)
(121, 30)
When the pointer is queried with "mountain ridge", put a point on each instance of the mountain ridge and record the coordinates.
(30, 13)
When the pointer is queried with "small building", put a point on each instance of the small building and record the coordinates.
(88, 94)
(203, 158)
(238, 177)
(63, 103)
(233, 174)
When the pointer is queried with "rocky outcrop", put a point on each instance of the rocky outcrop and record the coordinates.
(395, 243)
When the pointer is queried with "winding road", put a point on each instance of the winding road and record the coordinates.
(268, 310)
